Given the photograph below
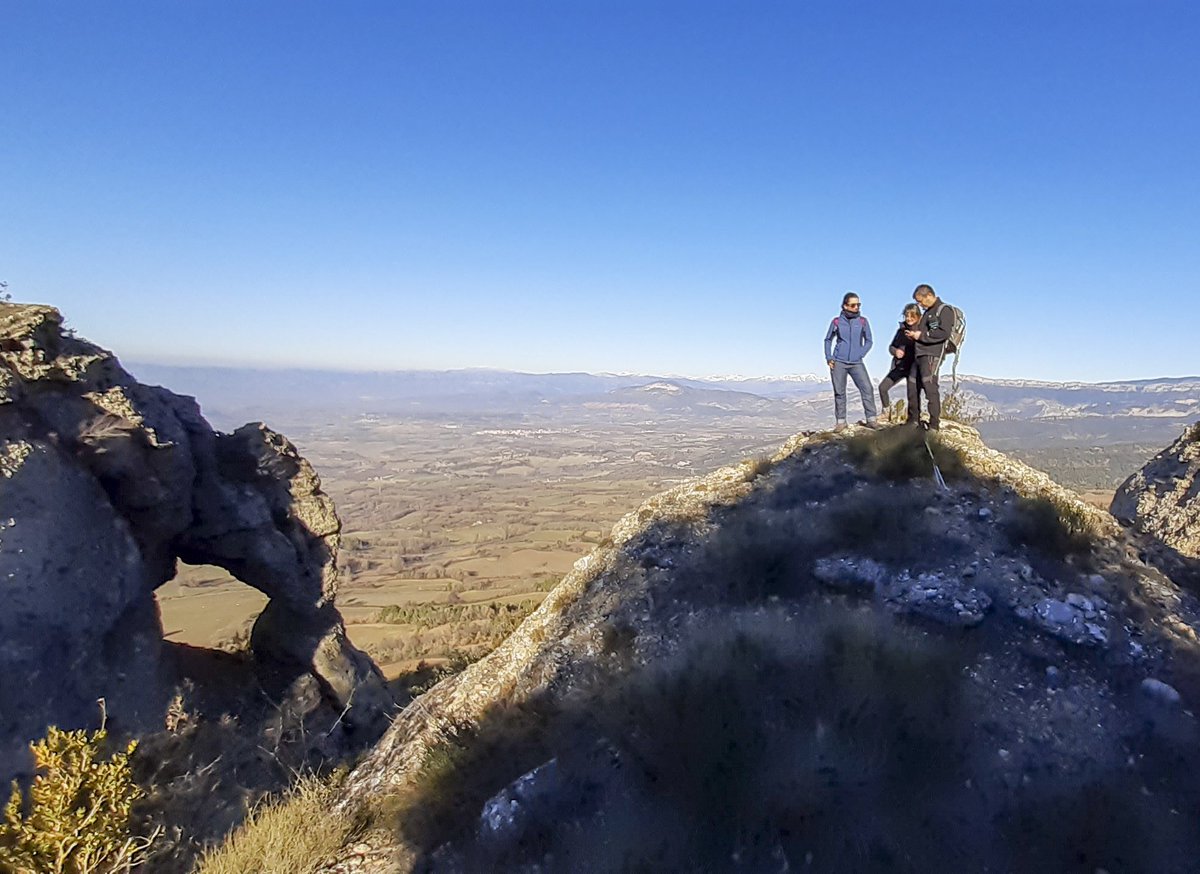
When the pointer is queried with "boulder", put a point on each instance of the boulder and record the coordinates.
(1162, 499)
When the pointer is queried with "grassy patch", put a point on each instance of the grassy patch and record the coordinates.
(1055, 530)
(904, 453)
(749, 740)
(459, 774)
(291, 834)
(887, 524)
(770, 553)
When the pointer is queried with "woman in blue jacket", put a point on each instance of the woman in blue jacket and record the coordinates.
(852, 333)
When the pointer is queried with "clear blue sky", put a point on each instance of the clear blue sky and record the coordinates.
(636, 186)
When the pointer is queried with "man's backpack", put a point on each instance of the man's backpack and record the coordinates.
(958, 334)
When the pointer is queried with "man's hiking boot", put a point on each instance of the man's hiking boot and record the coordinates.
(840, 426)
(874, 424)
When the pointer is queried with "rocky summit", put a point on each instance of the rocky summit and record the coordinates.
(827, 660)
(105, 484)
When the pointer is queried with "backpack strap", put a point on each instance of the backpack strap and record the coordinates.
(954, 366)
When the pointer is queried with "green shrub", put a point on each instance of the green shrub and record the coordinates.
(77, 817)
(503, 619)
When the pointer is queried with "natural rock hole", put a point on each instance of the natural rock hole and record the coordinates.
(218, 612)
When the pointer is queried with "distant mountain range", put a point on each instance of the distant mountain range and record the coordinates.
(240, 392)
(1088, 435)
(1010, 398)
(247, 393)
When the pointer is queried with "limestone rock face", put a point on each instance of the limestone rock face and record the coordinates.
(104, 484)
(1163, 498)
(806, 664)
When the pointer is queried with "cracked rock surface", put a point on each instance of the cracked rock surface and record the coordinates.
(1162, 503)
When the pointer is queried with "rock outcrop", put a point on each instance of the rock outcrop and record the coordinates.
(1162, 500)
(825, 662)
(104, 484)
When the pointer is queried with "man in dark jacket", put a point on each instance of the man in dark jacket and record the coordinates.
(930, 335)
(847, 343)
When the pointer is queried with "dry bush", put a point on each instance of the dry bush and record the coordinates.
(756, 467)
(900, 454)
(290, 834)
(956, 409)
(1053, 529)
(77, 817)
(425, 677)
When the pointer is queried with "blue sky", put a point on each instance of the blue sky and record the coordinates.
(623, 186)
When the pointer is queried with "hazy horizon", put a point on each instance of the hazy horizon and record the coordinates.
(799, 376)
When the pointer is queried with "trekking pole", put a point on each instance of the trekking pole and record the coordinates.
(937, 472)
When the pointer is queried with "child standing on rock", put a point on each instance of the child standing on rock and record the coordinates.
(903, 351)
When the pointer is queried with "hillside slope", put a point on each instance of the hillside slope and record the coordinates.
(826, 661)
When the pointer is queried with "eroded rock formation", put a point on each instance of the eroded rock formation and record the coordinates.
(1162, 499)
(104, 484)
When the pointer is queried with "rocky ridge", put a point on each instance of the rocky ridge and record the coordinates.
(1070, 666)
(1162, 500)
(104, 484)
